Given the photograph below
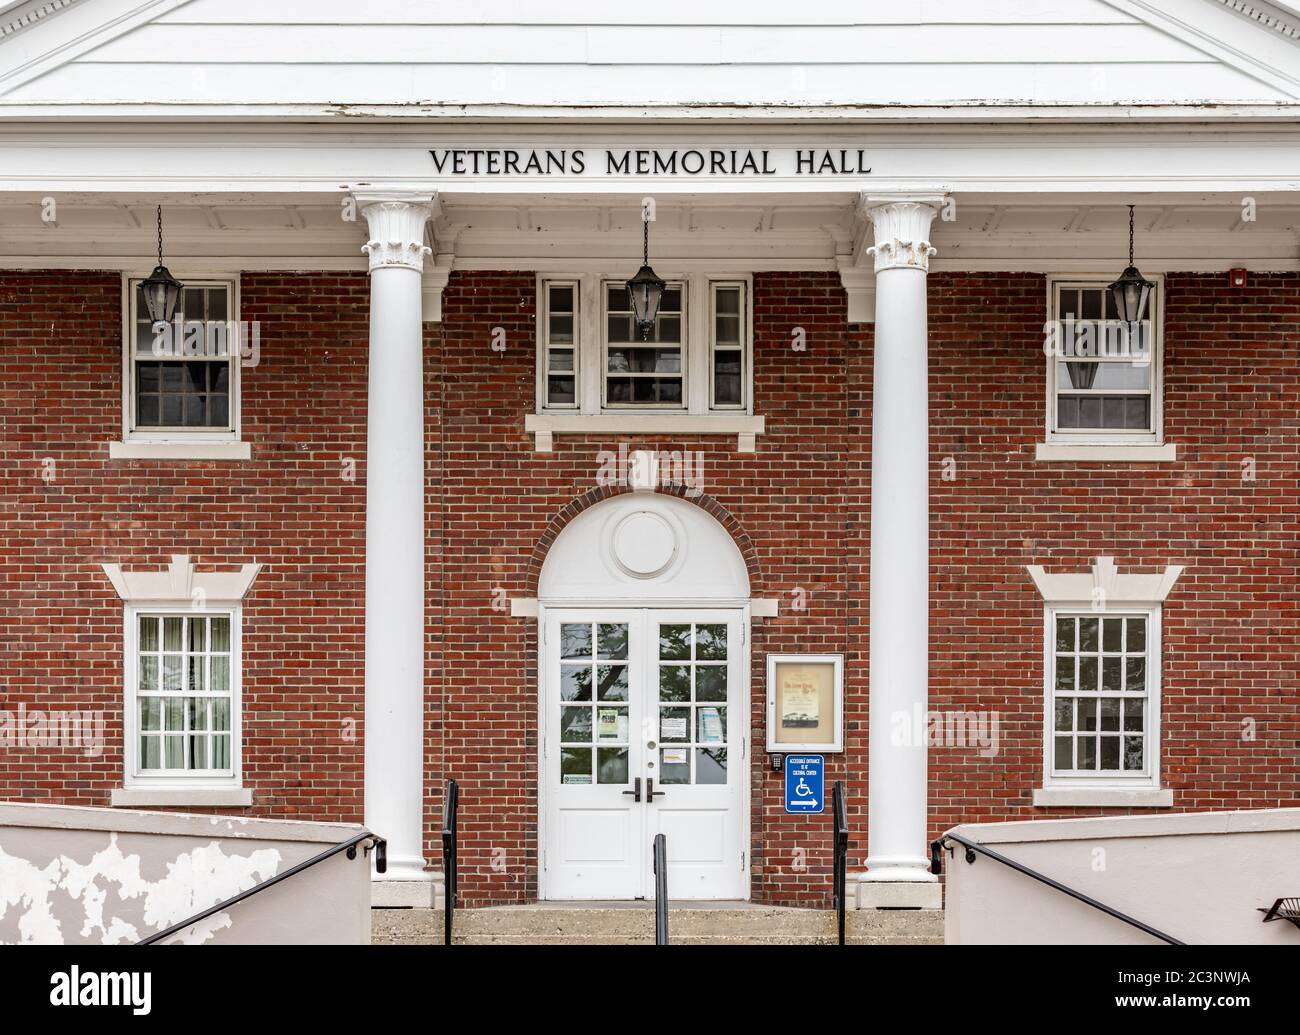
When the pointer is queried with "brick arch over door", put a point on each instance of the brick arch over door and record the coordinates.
(566, 515)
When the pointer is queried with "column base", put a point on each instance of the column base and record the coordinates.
(898, 894)
(408, 894)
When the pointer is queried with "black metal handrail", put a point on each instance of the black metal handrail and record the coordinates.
(450, 811)
(936, 866)
(839, 818)
(661, 889)
(350, 846)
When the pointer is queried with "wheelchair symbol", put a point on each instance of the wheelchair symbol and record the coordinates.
(802, 790)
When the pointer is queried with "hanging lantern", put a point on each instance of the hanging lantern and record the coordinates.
(646, 289)
(162, 291)
(1132, 291)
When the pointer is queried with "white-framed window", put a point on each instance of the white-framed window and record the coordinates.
(181, 381)
(182, 719)
(644, 373)
(1102, 723)
(1104, 378)
(728, 364)
(560, 343)
(697, 360)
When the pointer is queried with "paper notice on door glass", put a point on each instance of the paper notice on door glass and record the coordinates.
(711, 726)
(611, 723)
(671, 728)
(577, 778)
(674, 756)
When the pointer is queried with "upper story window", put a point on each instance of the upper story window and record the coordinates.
(592, 358)
(1103, 377)
(182, 378)
(645, 371)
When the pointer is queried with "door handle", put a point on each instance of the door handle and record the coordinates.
(636, 789)
(650, 791)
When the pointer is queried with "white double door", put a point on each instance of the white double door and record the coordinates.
(645, 733)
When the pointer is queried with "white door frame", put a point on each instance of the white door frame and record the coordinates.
(743, 703)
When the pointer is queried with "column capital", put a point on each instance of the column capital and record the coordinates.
(396, 220)
(901, 225)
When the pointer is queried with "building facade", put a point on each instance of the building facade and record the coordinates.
(403, 494)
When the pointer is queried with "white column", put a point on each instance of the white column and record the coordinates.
(897, 862)
(394, 733)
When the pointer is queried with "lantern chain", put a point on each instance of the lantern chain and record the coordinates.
(1130, 235)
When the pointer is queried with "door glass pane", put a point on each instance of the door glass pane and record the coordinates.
(674, 683)
(711, 765)
(612, 641)
(575, 765)
(711, 642)
(611, 682)
(674, 642)
(575, 683)
(613, 765)
(575, 724)
(711, 683)
(575, 640)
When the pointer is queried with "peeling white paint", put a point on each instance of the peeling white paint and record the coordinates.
(22, 883)
(195, 880)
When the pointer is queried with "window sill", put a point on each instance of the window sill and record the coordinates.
(179, 451)
(545, 426)
(1130, 454)
(1104, 797)
(194, 796)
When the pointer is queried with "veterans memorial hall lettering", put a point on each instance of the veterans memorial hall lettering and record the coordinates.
(509, 161)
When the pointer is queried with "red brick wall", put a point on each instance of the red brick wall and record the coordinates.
(289, 507)
(799, 507)
(1231, 650)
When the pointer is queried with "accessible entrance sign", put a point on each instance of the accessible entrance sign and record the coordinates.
(805, 783)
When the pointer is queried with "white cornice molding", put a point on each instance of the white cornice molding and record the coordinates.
(181, 583)
(16, 17)
(1104, 585)
(1284, 22)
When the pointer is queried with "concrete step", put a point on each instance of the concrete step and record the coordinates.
(633, 924)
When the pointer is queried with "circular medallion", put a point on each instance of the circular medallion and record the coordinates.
(644, 544)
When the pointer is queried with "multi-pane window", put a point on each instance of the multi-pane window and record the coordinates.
(1104, 373)
(184, 694)
(560, 325)
(644, 371)
(182, 374)
(727, 359)
(692, 682)
(1100, 707)
(592, 358)
(594, 733)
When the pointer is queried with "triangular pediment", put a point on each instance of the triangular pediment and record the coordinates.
(331, 57)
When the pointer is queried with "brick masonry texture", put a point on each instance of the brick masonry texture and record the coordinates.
(799, 508)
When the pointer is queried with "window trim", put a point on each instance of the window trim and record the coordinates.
(1117, 437)
(133, 780)
(175, 436)
(696, 361)
(1146, 781)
